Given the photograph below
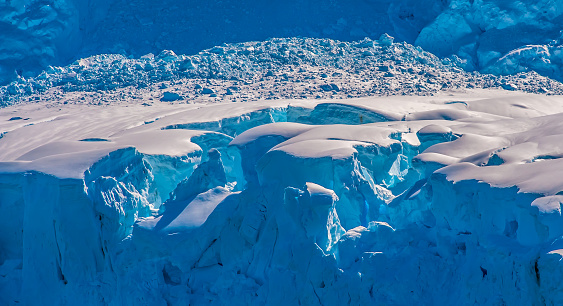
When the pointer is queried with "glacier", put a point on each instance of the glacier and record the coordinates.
(446, 199)
(354, 152)
(290, 68)
(486, 35)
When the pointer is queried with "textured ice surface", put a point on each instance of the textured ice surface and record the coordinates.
(446, 199)
(41, 33)
(488, 35)
(375, 170)
(290, 68)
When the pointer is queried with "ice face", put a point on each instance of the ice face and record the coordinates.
(123, 181)
(434, 200)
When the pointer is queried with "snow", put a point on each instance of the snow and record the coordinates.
(284, 129)
(356, 191)
(192, 216)
(322, 168)
(340, 194)
(434, 129)
(319, 191)
(320, 148)
(548, 204)
(71, 157)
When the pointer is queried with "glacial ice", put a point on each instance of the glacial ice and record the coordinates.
(422, 167)
(487, 35)
(289, 68)
(446, 199)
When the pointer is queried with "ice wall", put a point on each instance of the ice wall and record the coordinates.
(451, 203)
(71, 230)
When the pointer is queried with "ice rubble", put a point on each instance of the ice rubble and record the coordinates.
(278, 68)
(450, 199)
(37, 34)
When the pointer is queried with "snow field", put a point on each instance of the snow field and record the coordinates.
(374, 200)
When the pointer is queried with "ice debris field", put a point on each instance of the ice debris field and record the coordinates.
(492, 36)
(419, 168)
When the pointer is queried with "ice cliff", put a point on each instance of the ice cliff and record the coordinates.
(418, 167)
(448, 199)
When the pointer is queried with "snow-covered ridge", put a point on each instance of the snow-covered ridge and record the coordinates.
(441, 199)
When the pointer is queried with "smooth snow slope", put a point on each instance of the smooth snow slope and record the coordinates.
(445, 199)
(482, 33)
